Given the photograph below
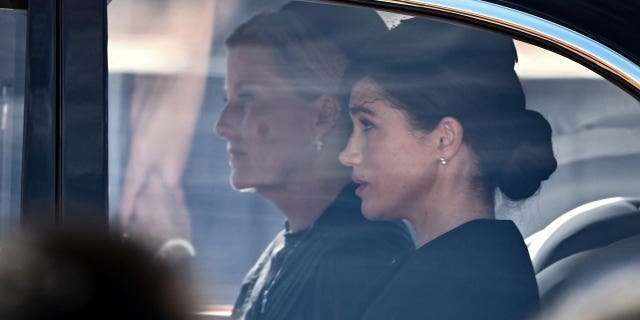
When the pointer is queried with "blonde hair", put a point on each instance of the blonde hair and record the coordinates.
(307, 60)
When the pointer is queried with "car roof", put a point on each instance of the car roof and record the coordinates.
(613, 23)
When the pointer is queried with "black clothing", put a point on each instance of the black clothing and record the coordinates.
(329, 271)
(479, 270)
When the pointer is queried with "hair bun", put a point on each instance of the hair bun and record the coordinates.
(531, 160)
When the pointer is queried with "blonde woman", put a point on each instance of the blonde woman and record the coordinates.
(284, 125)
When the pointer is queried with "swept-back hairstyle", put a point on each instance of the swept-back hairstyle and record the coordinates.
(434, 69)
(311, 43)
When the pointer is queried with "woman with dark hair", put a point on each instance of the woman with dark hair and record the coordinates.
(284, 125)
(439, 125)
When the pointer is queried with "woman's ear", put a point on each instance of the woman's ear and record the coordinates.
(328, 114)
(449, 133)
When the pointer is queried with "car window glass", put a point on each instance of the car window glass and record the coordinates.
(169, 166)
(13, 25)
(593, 123)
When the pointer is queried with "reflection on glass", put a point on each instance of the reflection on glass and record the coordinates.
(284, 123)
(169, 173)
(13, 24)
(592, 122)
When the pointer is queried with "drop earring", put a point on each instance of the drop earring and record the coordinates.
(319, 145)
(443, 161)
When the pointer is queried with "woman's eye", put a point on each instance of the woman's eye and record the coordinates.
(245, 95)
(366, 124)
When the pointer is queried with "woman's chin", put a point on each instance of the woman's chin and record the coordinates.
(242, 184)
(371, 213)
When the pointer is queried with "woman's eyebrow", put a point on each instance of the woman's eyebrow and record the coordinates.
(244, 84)
(353, 110)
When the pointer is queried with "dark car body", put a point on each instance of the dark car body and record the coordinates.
(65, 155)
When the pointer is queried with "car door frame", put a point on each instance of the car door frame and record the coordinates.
(64, 172)
(64, 178)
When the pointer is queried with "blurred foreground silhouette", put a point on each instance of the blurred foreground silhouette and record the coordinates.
(83, 276)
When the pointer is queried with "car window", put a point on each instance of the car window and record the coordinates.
(166, 91)
(593, 123)
(169, 159)
(13, 25)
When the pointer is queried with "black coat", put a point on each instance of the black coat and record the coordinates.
(479, 270)
(329, 271)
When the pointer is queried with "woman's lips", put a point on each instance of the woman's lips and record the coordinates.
(362, 185)
(361, 189)
(235, 156)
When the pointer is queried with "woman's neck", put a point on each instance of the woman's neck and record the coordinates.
(303, 203)
(451, 209)
(429, 229)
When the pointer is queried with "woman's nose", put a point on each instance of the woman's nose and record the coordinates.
(226, 125)
(350, 156)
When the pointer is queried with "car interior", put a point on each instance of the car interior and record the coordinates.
(588, 208)
(582, 222)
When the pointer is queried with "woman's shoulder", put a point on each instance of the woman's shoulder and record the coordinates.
(364, 248)
(370, 237)
(359, 261)
(479, 270)
(486, 246)
(477, 235)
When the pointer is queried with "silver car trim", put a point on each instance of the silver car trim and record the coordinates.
(571, 41)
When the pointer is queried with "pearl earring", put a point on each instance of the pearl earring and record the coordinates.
(319, 145)
(443, 160)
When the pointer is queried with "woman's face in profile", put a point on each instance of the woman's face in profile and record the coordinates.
(268, 127)
(394, 164)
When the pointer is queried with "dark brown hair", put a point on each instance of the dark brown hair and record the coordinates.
(435, 69)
